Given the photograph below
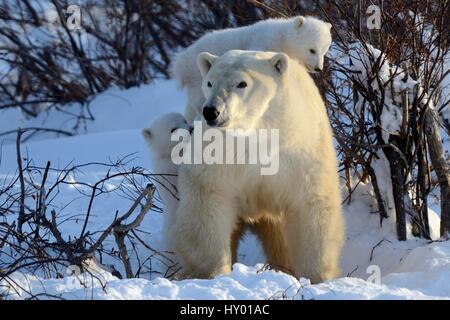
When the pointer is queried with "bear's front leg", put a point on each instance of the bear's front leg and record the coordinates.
(315, 233)
(202, 232)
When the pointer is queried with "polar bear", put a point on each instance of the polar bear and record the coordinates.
(158, 138)
(305, 39)
(301, 202)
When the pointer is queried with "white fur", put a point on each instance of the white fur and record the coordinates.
(295, 37)
(301, 202)
(158, 137)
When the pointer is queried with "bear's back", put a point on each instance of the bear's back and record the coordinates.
(263, 36)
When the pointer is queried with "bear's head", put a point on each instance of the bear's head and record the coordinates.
(239, 86)
(158, 135)
(308, 41)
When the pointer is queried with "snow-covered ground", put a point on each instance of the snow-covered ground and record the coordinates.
(377, 266)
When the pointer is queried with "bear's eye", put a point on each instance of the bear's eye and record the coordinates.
(312, 51)
(209, 84)
(242, 85)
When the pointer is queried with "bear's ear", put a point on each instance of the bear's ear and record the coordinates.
(329, 25)
(299, 21)
(205, 60)
(280, 62)
(146, 133)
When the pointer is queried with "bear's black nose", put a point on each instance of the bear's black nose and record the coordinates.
(318, 69)
(210, 113)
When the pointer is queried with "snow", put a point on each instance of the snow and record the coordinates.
(243, 283)
(388, 78)
(413, 269)
(423, 274)
(445, 95)
(113, 110)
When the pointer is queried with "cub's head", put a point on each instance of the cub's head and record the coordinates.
(239, 86)
(309, 41)
(158, 135)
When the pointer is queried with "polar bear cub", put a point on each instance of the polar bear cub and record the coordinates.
(305, 39)
(263, 90)
(158, 137)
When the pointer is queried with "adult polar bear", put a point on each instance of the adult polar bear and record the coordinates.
(305, 39)
(263, 90)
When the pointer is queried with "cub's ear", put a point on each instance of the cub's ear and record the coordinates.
(329, 25)
(299, 21)
(280, 62)
(146, 133)
(205, 60)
